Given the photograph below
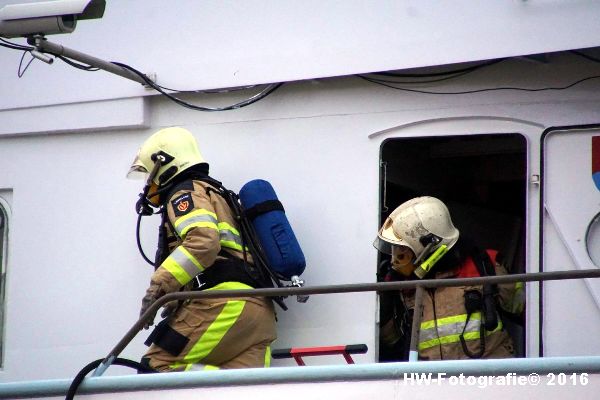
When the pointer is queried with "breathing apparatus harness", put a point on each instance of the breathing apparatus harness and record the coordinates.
(484, 302)
(260, 272)
(475, 301)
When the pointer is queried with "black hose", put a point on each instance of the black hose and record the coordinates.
(139, 243)
(94, 364)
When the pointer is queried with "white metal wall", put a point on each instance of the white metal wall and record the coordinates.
(75, 278)
(214, 44)
(571, 202)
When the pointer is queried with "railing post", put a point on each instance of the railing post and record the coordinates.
(413, 354)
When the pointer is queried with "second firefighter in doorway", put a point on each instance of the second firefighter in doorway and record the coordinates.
(457, 322)
(200, 248)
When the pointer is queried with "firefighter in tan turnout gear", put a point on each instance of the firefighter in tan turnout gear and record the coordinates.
(457, 322)
(200, 248)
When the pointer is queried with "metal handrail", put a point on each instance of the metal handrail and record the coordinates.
(348, 288)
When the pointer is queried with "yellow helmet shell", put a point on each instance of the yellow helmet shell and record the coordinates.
(177, 144)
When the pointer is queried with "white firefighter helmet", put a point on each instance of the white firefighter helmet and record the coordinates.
(177, 148)
(422, 224)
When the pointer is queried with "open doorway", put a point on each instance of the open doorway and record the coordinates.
(481, 178)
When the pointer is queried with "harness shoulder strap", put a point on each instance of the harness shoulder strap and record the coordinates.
(483, 262)
(486, 268)
(260, 272)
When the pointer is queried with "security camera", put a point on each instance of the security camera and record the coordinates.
(47, 17)
(36, 20)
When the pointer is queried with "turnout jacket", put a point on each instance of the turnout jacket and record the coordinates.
(205, 252)
(445, 318)
(201, 234)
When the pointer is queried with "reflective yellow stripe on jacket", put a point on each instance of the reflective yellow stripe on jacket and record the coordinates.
(200, 218)
(229, 236)
(517, 302)
(182, 265)
(449, 330)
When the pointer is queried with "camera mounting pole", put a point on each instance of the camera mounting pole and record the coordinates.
(42, 45)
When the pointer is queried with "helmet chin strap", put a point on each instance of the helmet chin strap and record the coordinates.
(143, 206)
(168, 174)
(425, 251)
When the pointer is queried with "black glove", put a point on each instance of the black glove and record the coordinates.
(152, 294)
(169, 308)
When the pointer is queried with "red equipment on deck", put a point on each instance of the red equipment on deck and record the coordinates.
(298, 352)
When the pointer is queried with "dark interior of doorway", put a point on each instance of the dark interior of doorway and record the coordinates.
(481, 178)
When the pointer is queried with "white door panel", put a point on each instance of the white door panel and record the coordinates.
(571, 310)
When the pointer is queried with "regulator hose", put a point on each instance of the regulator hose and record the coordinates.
(139, 242)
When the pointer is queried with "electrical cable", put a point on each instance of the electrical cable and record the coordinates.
(458, 73)
(417, 82)
(259, 96)
(480, 90)
(72, 63)
(90, 68)
(207, 91)
(579, 53)
(20, 72)
(236, 89)
(15, 46)
(161, 89)
(76, 64)
(432, 74)
(446, 75)
(25, 49)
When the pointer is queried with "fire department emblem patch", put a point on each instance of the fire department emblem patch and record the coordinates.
(182, 204)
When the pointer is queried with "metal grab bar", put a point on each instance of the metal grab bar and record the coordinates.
(348, 288)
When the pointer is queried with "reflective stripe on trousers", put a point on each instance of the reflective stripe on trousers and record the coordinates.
(207, 367)
(216, 331)
(449, 329)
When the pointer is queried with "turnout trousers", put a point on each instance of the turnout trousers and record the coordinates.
(217, 333)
